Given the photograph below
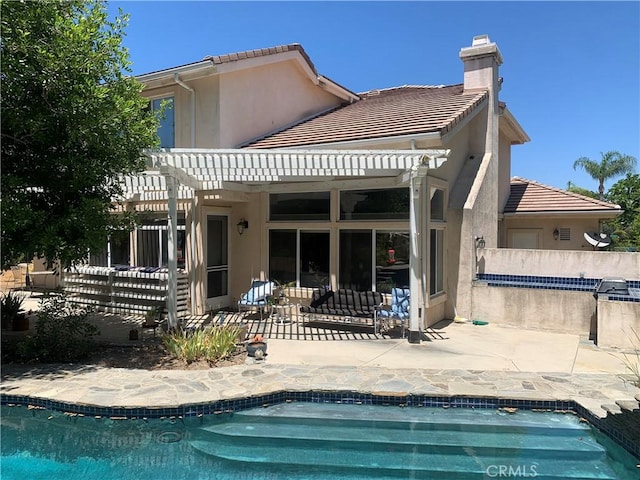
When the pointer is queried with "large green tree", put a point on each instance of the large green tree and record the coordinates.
(626, 226)
(73, 121)
(612, 164)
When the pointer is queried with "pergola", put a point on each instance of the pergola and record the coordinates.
(179, 174)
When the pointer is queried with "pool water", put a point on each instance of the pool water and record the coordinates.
(309, 441)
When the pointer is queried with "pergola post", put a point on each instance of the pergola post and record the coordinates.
(416, 226)
(172, 253)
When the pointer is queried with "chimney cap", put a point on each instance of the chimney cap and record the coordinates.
(480, 40)
(481, 46)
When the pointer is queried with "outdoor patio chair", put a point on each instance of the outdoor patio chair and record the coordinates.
(257, 297)
(399, 307)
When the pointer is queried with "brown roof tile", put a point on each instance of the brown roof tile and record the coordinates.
(528, 196)
(382, 113)
(260, 52)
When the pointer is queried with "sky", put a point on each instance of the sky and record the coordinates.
(571, 69)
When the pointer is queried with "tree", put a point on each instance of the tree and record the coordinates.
(73, 122)
(612, 164)
(580, 191)
(626, 226)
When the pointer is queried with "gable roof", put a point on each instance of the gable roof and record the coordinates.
(212, 64)
(391, 112)
(528, 196)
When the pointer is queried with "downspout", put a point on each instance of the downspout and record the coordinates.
(176, 78)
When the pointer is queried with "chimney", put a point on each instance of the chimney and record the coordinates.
(481, 62)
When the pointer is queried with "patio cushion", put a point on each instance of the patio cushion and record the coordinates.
(258, 293)
(399, 304)
(345, 302)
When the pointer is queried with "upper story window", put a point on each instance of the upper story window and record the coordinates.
(387, 204)
(166, 116)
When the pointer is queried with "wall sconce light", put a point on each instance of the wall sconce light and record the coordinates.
(480, 243)
(242, 225)
(556, 234)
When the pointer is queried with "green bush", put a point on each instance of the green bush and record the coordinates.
(63, 333)
(210, 344)
(11, 308)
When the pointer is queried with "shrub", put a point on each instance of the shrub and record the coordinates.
(210, 344)
(11, 308)
(632, 361)
(63, 333)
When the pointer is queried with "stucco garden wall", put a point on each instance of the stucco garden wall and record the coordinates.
(559, 310)
(618, 324)
(554, 310)
(553, 263)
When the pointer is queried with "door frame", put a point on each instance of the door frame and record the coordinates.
(214, 303)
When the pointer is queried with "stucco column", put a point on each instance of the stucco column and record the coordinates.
(416, 225)
(172, 254)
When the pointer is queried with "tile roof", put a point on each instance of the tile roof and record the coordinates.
(528, 196)
(260, 52)
(405, 110)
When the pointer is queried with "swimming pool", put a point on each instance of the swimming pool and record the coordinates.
(309, 441)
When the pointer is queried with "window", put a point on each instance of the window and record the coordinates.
(152, 241)
(355, 259)
(115, 252)
(437, 226)
(299, 206)
(392, 260)
(357, 268)
(436, 262)
(166, 116)
(299, 256)
(436, 202)
(388, 204)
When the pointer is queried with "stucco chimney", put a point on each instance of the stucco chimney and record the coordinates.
(481, 62)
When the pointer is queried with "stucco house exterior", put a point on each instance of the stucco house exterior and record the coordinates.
(271, 170)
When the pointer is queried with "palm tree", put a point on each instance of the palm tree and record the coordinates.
(611, 165)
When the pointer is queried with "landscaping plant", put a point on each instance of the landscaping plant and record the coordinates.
(63, 333)
(211, 344)
(11, 308)
(633, 364)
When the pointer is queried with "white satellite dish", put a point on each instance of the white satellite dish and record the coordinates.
(597, 240)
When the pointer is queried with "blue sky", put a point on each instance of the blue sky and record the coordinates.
(571, 69)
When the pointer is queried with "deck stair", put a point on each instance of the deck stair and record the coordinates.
(353, 441)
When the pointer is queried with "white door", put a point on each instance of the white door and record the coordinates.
(524, 238)
(217, 282)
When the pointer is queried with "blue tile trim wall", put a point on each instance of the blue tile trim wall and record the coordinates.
(348, 397)
(554, 283)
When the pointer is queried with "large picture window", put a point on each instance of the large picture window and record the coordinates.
(357, 268)
(387, 204)
(299, 256)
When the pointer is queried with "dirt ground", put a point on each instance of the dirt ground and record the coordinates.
(153, 356)
(146, 356)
